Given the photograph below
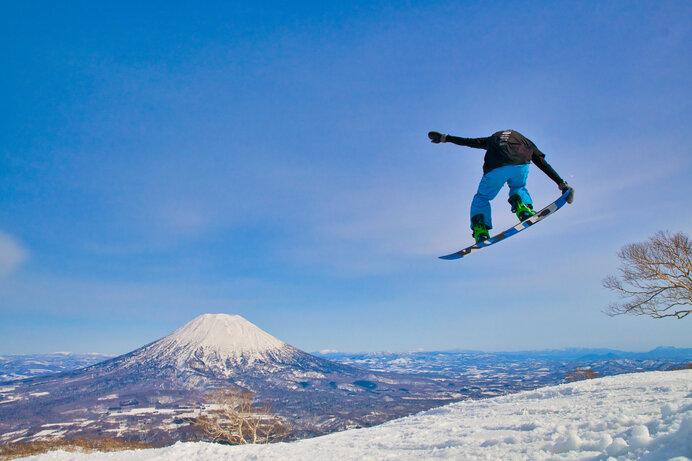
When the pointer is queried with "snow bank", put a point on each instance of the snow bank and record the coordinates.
(645, 416)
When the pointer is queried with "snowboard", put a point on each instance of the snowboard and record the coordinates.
(539, 216)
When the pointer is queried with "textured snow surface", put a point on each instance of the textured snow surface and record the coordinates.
(221, 335)
(645, 416)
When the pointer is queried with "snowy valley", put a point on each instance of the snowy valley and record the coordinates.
(154, 394)
(13, 367)
(504, 405)
(644, 416)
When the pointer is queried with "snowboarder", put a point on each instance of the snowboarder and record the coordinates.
(507, 158)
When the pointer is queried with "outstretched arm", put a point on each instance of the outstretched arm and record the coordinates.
(478, 143)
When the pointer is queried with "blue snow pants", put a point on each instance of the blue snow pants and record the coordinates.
(491, 183)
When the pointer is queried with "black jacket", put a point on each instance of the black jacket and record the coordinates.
(508, 147)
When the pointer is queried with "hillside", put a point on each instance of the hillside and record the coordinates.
(646, 416)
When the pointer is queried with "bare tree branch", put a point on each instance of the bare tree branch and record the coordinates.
(655, 277)
(234, 419)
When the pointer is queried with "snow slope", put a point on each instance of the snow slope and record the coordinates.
(645, 416)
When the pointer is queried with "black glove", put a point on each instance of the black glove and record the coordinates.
(564, 187)
(437, 137)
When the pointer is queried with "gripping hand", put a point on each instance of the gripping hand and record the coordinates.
(564, 187)
(437, 137)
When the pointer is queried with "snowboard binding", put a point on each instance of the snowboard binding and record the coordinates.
(522, 210)
(480, 229)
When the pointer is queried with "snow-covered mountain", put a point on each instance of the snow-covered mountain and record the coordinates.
(221, 338)
(161, 387)
(222, 346)
(644, 416)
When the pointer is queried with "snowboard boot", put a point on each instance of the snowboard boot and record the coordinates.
(480, 229)
(523, 211)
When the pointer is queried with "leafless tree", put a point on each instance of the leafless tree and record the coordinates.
(655, 277)
(234, 419)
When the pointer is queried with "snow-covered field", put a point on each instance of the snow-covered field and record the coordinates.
(645, 416)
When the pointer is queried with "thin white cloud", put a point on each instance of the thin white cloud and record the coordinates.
(12, 254)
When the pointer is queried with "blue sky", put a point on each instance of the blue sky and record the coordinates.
(268, 159)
